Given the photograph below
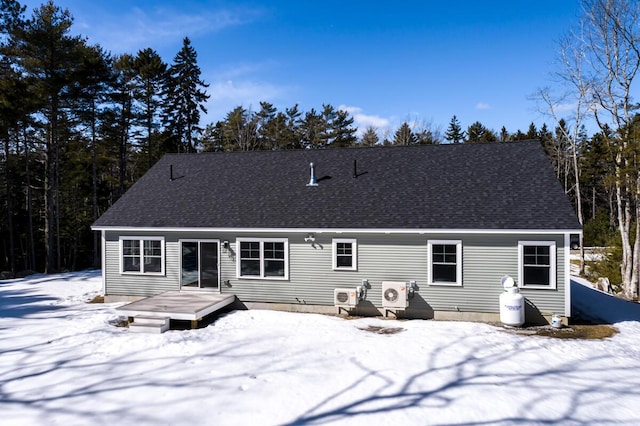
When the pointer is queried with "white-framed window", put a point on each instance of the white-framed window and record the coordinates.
(266, 258)
(445, 262)
(537, 264)
(142, 255)
(345, 254)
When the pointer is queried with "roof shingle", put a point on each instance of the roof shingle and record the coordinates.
(491, 186)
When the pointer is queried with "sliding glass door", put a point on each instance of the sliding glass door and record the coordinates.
(199, 264)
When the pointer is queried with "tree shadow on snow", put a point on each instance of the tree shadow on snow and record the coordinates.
(566, 389)
(27, 300)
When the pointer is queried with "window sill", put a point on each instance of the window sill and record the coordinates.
(537, 287)
(445, 284)
(263, 278)
(157, 274)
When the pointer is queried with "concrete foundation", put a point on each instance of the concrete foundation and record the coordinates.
(531, 317)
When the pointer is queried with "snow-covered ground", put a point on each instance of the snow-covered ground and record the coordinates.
(63, 362)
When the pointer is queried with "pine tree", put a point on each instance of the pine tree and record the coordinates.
(267, 126)
(186, 97)
(95, 79)
(344, 134)
(151, 73)
(504, 135)
(51, 58)
(13, 94)
(477, 132)
(404, 135)
(454, 133)
(292, 133)
(122, 114)
(240, 131)
(369, 137)
(313, 130)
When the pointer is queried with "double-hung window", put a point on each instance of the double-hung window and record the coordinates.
(537, 264)
(263, 258)
(142, 255)
(445, 262)
(345, 254)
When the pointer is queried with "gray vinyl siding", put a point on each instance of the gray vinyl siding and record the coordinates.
(381, 257)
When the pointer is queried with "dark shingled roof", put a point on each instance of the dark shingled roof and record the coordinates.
(471, 186)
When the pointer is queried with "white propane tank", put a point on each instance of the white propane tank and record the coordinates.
(511, 304)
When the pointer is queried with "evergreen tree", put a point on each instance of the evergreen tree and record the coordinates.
(94, 84)
(454, 133)
(369, 137)
(240, 131)
(344, 133)
(151, 73)
(186, 97)
(51, 58)
(326, 131)
(121, 115)
(292, 133)
(504, 135)
(272, 127)
(477, 132)
(427, 137)
(404, 135)
(13, 108)
(546, 139)
(532, 133)
(313, 130)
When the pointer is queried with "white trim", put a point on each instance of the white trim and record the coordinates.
(192, 240)
(103, 266)
(354, 254)
(458, 244)
(567, 275)
(262, 241)
(141, 240)
(338, 230)
(552, 267)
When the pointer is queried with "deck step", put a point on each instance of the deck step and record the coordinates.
(149, 324)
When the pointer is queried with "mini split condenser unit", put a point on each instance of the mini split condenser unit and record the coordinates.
(394, 294)
(345, 297)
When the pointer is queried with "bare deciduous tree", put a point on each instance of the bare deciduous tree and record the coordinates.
(579, 95)
(612, 51)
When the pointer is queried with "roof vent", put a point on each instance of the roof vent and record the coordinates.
(312, 180)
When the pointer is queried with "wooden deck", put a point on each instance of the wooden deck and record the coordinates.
(179, 305)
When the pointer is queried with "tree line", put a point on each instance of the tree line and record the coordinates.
(79, 125)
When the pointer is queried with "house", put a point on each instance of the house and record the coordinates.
(418, 231)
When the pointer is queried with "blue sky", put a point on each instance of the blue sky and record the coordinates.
(385, 62)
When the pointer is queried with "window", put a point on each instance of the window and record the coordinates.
(263, 258)
(345, 254)
(445, 262)
(142, 255)
(537, 264)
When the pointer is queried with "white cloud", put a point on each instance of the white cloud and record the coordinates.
(483, 105)
(135, 28)
(365, 120)
(565, 107)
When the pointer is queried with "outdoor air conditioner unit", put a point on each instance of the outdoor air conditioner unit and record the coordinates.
(394, 294)
(345, 297)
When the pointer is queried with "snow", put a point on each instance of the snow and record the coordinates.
(64, 362)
